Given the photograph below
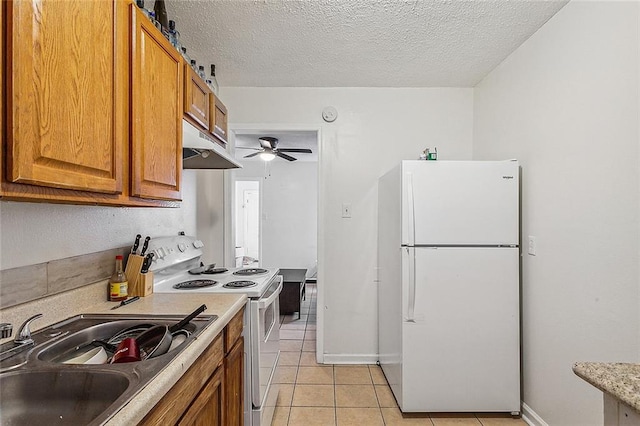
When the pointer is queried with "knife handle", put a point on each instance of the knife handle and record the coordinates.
(135, 244)
(147, 263)
(144, 246)
(131, 300)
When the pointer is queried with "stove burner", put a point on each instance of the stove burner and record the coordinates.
(209, 269)
(240, 284)
(186, 285)
(215, 271)
(250, 271)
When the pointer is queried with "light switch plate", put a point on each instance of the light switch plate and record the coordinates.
(532, 245)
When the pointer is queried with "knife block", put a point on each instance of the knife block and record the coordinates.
(134, 265)
(143, 285)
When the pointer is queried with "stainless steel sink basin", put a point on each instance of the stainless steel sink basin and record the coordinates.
(58, 396)
(36, 387)
(89, 330)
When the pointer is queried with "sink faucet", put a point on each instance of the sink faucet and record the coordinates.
(24, 333)
(22, 341)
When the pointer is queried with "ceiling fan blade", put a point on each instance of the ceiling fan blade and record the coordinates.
(248, 147)
(252, 155)
(301, 150)
(285, 156)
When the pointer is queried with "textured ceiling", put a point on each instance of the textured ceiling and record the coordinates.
(286, 139)
(355, 43)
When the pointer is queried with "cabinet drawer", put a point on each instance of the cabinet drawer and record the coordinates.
(233, 331)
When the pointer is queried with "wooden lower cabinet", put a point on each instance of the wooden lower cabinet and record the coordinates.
(210, 392)
(234, 384)
(209, 406)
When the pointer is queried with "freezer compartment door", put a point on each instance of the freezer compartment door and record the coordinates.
(460, 203)
(461, 349)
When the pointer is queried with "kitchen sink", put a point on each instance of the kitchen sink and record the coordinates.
(66, 396)
(36, 385)
(90, 330)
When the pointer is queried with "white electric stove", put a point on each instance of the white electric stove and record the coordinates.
(177, 268)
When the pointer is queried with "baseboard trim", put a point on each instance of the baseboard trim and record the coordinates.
(350, 358)
(531, 417)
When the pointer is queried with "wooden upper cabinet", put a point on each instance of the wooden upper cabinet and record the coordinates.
(197, 98)
(219, 119)
(66, 95)
(156, 113)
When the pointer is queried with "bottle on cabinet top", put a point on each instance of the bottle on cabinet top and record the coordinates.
(212, 82)
(174, 35)
(161, 13)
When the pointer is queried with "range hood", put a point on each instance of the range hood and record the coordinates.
(199, 151)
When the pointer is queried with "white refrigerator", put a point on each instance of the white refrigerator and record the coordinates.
(448, 290)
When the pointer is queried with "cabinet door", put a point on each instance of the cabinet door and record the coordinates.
(156, 108)
(219, 119)
(234, 384)
(208, 407)
(66, 94)
(196, 97)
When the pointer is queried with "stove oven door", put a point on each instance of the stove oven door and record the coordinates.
(265, 346)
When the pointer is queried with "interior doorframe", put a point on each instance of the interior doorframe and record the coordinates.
(230, 217)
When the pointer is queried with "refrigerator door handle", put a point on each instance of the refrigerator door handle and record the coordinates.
(411, 220)
(411, 254)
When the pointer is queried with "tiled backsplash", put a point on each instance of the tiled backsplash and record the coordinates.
(27, 283)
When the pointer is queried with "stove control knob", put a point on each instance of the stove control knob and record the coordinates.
(182, 247)
(160, 253)
(198, 244)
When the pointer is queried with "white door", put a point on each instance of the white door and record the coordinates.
(460, 203)
(461, 330)
(251, 209)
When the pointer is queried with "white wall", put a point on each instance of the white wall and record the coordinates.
(210, 215)
(375, 129)
(289, 212)
(38, 232)
(566, 105)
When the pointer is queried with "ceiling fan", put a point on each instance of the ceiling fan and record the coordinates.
(269, 150)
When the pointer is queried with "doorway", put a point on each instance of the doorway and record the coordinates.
(290, 232)
(247, 250)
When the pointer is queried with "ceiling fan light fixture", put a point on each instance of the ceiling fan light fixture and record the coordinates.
(267, 156)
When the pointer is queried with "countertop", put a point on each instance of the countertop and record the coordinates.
(621, 380)
(223, 305)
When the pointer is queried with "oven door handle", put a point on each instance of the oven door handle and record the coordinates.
(269, 300)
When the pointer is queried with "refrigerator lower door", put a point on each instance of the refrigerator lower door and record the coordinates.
(461, 349)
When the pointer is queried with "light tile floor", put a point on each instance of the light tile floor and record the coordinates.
(343, 395)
